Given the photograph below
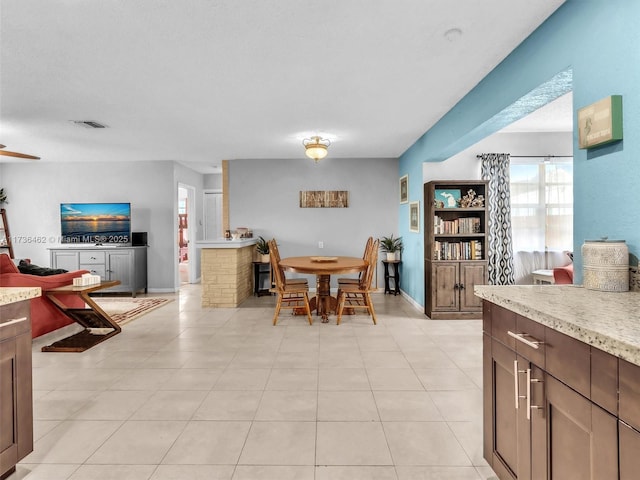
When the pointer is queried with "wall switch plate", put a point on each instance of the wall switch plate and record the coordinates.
(320, 244)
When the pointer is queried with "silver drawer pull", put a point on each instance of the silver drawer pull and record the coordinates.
(13, 322)
(520, 336)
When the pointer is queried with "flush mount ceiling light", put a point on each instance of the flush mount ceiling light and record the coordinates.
(316, 147)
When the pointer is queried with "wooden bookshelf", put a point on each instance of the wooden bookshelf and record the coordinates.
(455, 247)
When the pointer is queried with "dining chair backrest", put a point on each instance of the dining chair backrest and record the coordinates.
(274, 258)
(367, 278)
(273, 247)
(367, 248)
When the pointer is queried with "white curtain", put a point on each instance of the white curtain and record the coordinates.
(495, 169)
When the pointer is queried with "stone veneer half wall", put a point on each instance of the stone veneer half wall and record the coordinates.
(226, 275)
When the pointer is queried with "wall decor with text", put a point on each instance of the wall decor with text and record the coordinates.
(324, 199)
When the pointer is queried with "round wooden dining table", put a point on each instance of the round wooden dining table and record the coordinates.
(323, 268)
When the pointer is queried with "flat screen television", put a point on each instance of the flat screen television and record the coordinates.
(97, 223)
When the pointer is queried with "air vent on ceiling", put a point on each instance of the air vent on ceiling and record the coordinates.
(89, 124)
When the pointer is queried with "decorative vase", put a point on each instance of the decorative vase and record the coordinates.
(606, 265)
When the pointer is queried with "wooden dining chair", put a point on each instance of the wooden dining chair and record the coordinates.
(294, 296)
(273, 250)
(359, 295)
(352, 280)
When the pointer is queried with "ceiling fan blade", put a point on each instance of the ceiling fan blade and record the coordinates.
(19, 155)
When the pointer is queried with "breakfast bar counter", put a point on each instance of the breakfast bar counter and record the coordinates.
(226, 271)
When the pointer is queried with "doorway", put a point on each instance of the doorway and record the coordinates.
(186, 233)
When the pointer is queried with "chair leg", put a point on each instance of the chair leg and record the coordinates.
(308, 308)
(370, 305)
(278, 305)
(341, 301)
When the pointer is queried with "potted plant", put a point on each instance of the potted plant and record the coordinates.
(262, 247)
(390, 246)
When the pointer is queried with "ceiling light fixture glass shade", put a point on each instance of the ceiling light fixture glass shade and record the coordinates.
(316, 147)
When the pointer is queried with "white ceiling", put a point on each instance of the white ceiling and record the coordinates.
(199, 81)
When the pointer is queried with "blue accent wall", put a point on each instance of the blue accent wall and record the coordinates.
(592, 46)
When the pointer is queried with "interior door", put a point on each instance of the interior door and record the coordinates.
(212, 215)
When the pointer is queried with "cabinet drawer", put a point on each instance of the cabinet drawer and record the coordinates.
(96, 269)
(604, 380)
(630, 393)
(503, 321)
(569, 360)
(531, 340)
(91, 258)
(11, 319)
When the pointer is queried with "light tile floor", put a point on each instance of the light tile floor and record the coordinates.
(196, 393)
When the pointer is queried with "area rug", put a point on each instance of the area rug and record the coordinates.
(123, 310)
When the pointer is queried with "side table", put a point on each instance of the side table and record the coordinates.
(98, 325)
(260, 269)
(395, 264)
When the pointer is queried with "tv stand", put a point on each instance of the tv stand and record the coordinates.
(126, 264)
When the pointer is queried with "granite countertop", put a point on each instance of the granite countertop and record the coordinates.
(606, 320)
(17, 294)
(224, 243)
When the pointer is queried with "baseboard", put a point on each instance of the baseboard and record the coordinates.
(161, 290)
(413, 303)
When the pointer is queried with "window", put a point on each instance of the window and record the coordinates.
(542, 204)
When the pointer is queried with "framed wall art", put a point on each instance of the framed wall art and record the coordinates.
(324, 199)
(404, 189)
(414, 217)
(600, 123)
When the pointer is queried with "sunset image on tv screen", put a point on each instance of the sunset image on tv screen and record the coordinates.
(95, 222)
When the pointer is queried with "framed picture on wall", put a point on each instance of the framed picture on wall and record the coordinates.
(404, 189)
(414, 217)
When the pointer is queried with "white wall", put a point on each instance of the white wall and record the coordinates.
(264, 196)
(36, 190)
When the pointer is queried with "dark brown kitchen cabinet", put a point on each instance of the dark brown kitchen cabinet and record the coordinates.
(517, 423)
(16, 411)
(540, 421)
(582, 437)
(629, 452)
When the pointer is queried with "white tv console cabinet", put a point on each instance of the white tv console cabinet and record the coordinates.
(124, 263)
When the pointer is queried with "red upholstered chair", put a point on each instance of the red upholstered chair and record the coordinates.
(45, 317)
(563, 275)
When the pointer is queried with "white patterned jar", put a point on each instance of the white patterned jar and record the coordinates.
(606, 265)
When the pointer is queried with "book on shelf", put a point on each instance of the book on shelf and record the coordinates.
(471, 250)
(458, 225)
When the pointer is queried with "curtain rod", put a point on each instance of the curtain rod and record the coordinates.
(535, 156)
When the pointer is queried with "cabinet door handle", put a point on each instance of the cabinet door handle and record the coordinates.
(520, 337)
(515, 383)
(516, 386)
(456, 286)
(13, 322)
(461, 286)
(529, 382)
